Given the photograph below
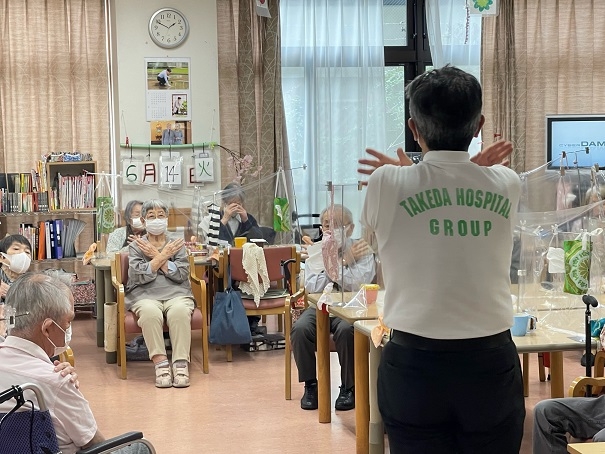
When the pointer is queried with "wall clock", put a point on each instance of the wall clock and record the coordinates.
(168, 27)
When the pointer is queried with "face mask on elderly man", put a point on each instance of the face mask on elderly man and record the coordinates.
(61, 349)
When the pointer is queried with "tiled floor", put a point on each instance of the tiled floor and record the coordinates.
(238, 408)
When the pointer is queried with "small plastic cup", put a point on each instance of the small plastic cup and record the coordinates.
(371, 292)
(240, 241)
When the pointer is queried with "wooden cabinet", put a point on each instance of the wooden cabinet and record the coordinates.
(68, 185)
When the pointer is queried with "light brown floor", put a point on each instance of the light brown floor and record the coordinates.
(238, 408)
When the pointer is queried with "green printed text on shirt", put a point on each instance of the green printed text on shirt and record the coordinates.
(440, 197)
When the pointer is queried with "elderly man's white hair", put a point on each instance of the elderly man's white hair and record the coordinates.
(40, 296)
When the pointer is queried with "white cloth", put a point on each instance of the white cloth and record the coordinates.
(445, 247)
(22, 361)
(253, 261)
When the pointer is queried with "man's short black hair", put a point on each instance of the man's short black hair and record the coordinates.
(445, 105)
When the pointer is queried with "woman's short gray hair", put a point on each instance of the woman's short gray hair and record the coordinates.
(232, 192)
(153, 204)
(347, 216)
(40, 296)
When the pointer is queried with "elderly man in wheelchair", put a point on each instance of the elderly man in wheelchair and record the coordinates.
(57, 418)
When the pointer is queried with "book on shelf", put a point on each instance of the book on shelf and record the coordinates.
(22, 202)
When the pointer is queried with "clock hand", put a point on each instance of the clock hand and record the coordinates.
(163, 24)
(171, 25)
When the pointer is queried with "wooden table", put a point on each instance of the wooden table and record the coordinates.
(369, 427)
(104, 293)
(350, 315)
(586, 448)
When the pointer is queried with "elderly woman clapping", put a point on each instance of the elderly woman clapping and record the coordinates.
(158, 286)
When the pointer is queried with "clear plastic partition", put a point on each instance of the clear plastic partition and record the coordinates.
(343, 259)
(258, 211)
(548, 280)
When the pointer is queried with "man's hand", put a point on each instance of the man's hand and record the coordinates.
(358, 249)
(148, 249)
(306, 239)
(3, 289)
(496, 153)
(381, 160)
(66, 369)
(172, 247)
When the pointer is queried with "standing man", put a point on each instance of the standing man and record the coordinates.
(163, 77)
(445, 234)
(168, 135)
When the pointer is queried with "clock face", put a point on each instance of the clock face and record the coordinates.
(168, 27)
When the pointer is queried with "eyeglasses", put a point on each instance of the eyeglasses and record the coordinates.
(326, 226)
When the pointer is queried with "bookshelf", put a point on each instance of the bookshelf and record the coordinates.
(60, 192)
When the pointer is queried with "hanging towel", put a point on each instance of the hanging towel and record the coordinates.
(214, 224)
(253, 261)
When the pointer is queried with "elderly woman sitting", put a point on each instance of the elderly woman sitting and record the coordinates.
(158, 286)
(123, 236)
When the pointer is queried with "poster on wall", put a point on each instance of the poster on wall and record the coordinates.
(168, 93)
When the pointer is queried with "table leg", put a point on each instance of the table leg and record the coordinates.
(110, 357)
(362, 399)
(556, 374)
(100, 297)
(376, 426)
(525, 374)
(323, 367)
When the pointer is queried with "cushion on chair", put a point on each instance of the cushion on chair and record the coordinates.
(272, 303)
(131, 325)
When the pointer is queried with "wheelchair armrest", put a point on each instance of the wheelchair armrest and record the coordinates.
(106, 445)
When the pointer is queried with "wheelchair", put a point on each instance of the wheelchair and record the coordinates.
(32, 431)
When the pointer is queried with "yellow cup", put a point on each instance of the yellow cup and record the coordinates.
(240, 241)
(371, 292)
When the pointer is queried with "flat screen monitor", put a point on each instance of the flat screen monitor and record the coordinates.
(574, 134)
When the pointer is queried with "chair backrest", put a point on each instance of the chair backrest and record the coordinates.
(16, 428)
(122, 267)
(274, 255)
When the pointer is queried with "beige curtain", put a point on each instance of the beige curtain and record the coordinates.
(250, 97)
(53, 81)
(541, 57)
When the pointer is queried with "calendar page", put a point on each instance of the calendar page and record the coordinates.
(168, 91)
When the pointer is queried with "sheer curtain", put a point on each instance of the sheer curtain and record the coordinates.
(455, 39)
(333, 88)
(53, 81)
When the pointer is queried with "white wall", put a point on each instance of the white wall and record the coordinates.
(133, 45)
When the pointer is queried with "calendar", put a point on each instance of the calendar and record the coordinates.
(168, 91)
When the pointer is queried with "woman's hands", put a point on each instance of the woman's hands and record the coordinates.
(232, 210)
(65, 369)
(3, 289)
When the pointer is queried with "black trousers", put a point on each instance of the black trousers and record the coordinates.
(468, 401)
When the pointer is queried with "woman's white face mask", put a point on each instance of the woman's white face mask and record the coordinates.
(18, 263)
(156, 226)
(137, 224)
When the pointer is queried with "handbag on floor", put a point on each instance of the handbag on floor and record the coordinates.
(229, 323)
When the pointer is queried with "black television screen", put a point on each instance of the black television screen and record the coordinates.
(574, 134)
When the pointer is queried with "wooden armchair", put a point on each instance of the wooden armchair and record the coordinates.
(127, 320)
(274, 305)
(578, 386)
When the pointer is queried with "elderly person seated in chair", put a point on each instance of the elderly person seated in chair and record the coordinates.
(121, 237)
(359, 267)
(235, 219)
(158, 286)
(44, 308)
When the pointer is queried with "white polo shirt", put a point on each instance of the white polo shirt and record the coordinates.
(445, 234)
(22, 361)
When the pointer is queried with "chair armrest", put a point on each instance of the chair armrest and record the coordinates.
(114, 442)
(292, 299)
(577, 387)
